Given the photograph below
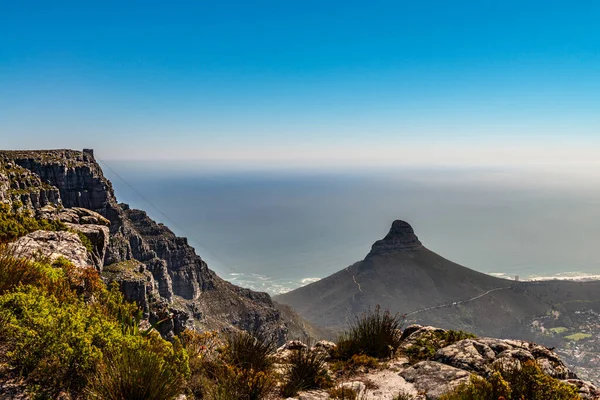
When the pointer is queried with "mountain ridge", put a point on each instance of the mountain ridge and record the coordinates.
(167, 278)
(402, 275)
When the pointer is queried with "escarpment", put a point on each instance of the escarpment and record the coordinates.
(154, 267)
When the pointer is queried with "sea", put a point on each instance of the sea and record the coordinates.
(276, 229)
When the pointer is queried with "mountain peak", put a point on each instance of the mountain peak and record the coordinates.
(400, 237)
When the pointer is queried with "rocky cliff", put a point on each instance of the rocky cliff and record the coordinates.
(154, 267)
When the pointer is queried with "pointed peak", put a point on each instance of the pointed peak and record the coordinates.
(400, 237)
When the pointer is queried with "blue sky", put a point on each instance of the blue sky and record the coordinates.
(304, 82)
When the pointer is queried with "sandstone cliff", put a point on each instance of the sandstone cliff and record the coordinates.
(154, 267)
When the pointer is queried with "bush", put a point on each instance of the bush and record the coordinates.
(243, 384)
(527, 382)
(240, 368)
(146, 369)
(204, 361)
(375, 334)
(306, 370)
(426, 346)
(87, 243)
(61, 279)
(59, 324)
(404, 396)
(250, 350)
(54, 344)
(15, 272)
(15, 223)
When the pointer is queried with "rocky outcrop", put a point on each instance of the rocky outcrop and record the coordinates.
(172, 282)
(452, 365)
(434, 378)
(400, 237)
(52, 245)
(482, 355)
(20, 184)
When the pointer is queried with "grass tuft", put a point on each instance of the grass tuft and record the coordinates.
(306, 370)
(375, 334)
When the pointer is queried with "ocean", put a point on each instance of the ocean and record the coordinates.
(275, 230)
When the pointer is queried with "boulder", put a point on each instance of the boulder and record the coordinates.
(467, 354)
(325, 346)
(587, 391)
(52, 245)
(434, 378)
(99, 236)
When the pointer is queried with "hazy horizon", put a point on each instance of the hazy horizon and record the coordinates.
(276, 230)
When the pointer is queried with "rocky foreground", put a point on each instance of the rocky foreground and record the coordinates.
(446, 369)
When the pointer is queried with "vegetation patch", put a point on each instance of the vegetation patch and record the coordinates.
(127, 269)
(306, 370)
(578, 336)
(559, 330)
(240, 366)
(343, 393)
(64, 331)
(87, 243)
(374, 333)
(527, 382)
(358, 363)
(427, 345)
(15, 223)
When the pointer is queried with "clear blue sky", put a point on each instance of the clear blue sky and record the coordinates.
(303, 81)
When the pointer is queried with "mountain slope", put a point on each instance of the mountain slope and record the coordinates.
(402, 275)
(154, 267)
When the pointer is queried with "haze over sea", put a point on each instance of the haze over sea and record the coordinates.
(277, 230)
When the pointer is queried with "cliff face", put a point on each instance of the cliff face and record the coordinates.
(153, 266)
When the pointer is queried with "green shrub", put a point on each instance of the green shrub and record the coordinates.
(58, 324)
(204, 361)
(376, 334)
(16, 272)
(305, 370)
(143, 369)
(404, 396)
(243, 384)
(54, 344)
(239, 367)
(250, 350)
(527, 382)
(15, 223)
(426, 346)
(87, 243)
(355, 364)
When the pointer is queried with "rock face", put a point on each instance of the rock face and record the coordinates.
(434, 378)
(400, 237)
(52, 245)
(168, 279)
